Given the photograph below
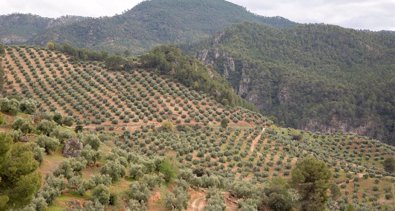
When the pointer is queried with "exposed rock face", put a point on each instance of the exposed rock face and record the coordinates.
(244, 83)
(72, 148)
(274, 94)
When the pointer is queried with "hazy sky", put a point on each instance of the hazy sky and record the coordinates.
(359, 14)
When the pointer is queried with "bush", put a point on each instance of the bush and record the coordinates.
(90, 155)
(62, 134)
(38, 152)
(215, 201)
(389, 165)
(278, 196)
(167, 126)
(93, 206)
(23, 125)
(92, 140)
(49, 144)
(102, 194)
(46, 127)
(135, 205)
(136, 171)
(224, 123)
(9, 106)
(72, 148)
(139, 192)
(28, 106)
(68, 121)
(248, 205)
(242, 189)
(177, 200)
(114, 169)
(168, 169)
(58, 118)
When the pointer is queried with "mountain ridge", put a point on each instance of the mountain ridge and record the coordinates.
(152, 23)
(338, 74)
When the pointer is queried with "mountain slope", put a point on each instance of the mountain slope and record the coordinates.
(315, 77)
(156, 136)
(114, 99)
(153, 23)
(19, 28)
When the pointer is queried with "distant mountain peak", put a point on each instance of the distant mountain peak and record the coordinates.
(148, 24)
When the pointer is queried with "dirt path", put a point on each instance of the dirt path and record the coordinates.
(198, 204)
(255, 141)
(197, 200)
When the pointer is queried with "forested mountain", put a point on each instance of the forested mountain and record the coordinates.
(314, 77)
(149, 24)
(19, 28)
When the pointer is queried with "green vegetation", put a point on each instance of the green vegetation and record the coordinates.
(137, 30)
(389, 165)
(144, 141)
(122, 98)
(19, 180)
(169, 61)
(317, 77)
(311, 178)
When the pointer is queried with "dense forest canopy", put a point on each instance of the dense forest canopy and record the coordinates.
(317, 77)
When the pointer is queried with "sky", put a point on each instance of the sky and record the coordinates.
(358, 14)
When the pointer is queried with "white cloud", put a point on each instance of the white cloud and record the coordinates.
(359, 14)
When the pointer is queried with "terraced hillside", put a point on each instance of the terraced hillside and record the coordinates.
(99, 98)
(151, 143)
(257, 154)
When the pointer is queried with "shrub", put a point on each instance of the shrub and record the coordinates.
(248, 205)
(90, 155)
(224, 123)
(23, 125)
(68, 121)
(28, 106)
(215, 201)
(46, 127)
(92, 140)
(62, 134)
(135, 205)
(114, 169)
(9, 106)
(102, 194)
(389, 165)
(72, 148)
(49, 144)
(136, 171)
(139, 192)
(58, 118)
(168, 169)
(167, 126)
(177, 200)
(242, 189)
(37, 152)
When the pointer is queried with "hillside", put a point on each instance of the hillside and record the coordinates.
(148, 24)
(19, 28)
(137, 138)
(313, 77)
(114, 99)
